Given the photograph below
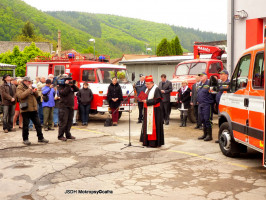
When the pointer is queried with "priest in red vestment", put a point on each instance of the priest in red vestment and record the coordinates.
(152, 133)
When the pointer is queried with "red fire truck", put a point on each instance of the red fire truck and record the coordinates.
(97, 73)
(188, 70)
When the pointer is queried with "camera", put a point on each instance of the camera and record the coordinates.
(61, 79)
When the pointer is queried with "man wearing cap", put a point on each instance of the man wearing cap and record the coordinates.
(205, 100)
(166, 88)
(28, 106)
(223, 79)
(48, 106)
(152, 133)
(140, 86)
(8, 93)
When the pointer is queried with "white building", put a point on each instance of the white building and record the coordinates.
(246, 21)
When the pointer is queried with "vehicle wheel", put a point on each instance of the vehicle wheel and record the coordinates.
(120, 114)
(228, 145)
(191, 115)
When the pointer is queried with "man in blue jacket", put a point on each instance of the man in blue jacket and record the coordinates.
(140, 86)
(48, 104)
(205, 100)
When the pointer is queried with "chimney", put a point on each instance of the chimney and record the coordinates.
(59, 44)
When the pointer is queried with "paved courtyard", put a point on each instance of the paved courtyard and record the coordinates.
(94, 166)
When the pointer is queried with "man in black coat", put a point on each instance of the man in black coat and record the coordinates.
(166, 88)
(194, 102)
(114, 97)
(66, 109)
(140, 86)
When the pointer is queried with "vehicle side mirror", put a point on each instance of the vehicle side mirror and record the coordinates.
(133, 76)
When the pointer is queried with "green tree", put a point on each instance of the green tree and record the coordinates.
(90, 49)
(163, 48)
(176, 46)
(28, 30)
(20, 58)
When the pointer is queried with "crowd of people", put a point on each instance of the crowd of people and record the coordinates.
(201, 98)
(44, 104)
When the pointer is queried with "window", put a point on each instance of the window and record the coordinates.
(197, 68)
(258, 73)
(182, 69)
(106, 75)
(240, 76)
(59, 69)
(213, 68)
(88, 75)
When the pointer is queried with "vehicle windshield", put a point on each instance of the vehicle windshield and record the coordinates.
(105, 75)
(182, 69)
(197, 68)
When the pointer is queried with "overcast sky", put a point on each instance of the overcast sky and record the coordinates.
(206, 15)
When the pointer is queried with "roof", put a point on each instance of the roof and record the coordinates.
(7, 65)
(167, 59)
(135, 56)
(256, 47)
(102, 66)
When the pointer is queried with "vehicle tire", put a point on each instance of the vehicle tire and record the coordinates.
(191, 115)
(228, 145)
(120, 114)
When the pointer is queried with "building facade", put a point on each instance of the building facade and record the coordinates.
(245, 27)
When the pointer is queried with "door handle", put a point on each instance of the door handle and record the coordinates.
(246, 102)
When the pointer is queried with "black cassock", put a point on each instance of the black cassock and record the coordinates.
(156, 139)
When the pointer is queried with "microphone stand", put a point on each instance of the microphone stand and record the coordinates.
(129, 133)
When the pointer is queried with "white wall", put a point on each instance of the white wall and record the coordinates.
(255, 9)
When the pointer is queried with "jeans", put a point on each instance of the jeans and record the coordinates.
(56, 116)
(36, 121)
(40, 112)
(30, 124)
(8, 115)
(75, 117)
(85, 110)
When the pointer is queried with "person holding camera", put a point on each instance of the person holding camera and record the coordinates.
(66, 108)
(28, 106)
(48, 104)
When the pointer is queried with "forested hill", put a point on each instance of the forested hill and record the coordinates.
(114, 35)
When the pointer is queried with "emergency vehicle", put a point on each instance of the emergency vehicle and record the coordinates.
(97, 74)
(242, 106)
(188, 70)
